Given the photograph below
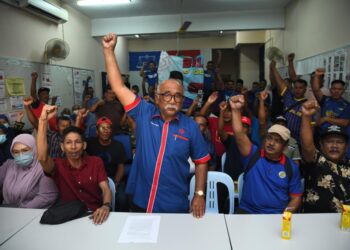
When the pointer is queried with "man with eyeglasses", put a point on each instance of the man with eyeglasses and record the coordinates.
(271, 184)
(327, 174)
(166, 138)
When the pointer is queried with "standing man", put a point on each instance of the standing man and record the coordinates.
(150, 76)
(166, 139)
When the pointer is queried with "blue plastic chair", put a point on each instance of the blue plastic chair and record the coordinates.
(125, 139)
(112, 187)
(211, 205)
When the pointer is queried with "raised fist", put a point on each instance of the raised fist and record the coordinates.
(213, 97)
(237, 102)
(27, 101)
(34, 75)
(320, 72)
(48, 112)
(309, 108)
(109, 41)
(291, 57)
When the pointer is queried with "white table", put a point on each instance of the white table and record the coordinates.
(13, 220)
(176, 231)
(309, 231)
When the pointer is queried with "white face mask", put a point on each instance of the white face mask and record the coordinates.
(6, 125)
(75, 112)
(2, 138)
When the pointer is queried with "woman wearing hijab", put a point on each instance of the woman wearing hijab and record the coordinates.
(22, 180)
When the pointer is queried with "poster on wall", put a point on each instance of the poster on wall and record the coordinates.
(81, 80)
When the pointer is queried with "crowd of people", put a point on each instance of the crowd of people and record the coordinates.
(288, 142)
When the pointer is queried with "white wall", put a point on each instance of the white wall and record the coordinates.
(312, 27)
(249, 64)
(24, 35)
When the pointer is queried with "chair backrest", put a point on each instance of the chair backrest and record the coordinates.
(223, 160)
(214, 177)
(112, 187)
(125, 139)
(240, 185)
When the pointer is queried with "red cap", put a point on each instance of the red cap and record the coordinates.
(103, 119)
(246, 120)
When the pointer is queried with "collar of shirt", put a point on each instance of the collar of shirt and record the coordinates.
(84, 162)
(158, 116)
(281, 160)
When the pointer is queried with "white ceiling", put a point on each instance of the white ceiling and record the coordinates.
(165, 7)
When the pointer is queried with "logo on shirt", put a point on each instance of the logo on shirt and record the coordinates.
(154, 124)
(282, 174)
(181, 131)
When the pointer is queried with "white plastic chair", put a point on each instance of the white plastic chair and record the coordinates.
(223, 160)
(211, 198)
(112, 187)
(240, 186)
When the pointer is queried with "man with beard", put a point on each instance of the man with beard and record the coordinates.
(166, 138)
(327, 176)
(271, 184)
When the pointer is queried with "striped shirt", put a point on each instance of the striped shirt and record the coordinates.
(54, 144)
(293, 116)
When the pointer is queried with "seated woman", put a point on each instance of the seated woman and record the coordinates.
(77, 176)
(22, 180)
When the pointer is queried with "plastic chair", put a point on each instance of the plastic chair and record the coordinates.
(223, 160)
(212, 193)
(112, 187)
(125, 139)
(240, 186)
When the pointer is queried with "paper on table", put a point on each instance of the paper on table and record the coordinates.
(140, 229)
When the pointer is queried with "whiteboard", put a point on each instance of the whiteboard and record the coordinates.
(59, 79)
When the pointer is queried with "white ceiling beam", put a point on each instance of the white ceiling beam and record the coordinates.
(234, 20)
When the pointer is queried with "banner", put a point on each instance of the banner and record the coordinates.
(136, 59)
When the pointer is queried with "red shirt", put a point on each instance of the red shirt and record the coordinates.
(37, 113)
(213, 127)
(80, 184)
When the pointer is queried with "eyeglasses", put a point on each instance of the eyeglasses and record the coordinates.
(167, 97)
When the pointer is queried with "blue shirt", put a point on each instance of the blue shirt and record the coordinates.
(335, 108)
(152, 78)
(160, 171)
(266, 188)
(293, 116)
(208, 81)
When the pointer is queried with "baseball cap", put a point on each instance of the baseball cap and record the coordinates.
(246, 120)
(280, 130)
(103, 119)
(335, 130)
(41, 89)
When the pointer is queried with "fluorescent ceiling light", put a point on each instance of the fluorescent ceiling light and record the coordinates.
(221, 32)
(101, 2)
(137, 36)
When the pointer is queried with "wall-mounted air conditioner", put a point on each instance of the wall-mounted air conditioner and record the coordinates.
(41, 8)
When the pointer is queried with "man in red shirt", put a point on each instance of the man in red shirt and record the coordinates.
(77, 176)
(40, 99)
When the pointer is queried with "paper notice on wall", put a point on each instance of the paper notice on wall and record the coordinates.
(46, 80)
(13, 116)
(3, 105)
(16, 102)
(15, 86)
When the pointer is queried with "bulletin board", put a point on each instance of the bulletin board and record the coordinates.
(15, 79)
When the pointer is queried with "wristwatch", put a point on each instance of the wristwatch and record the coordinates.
(199, 193)
(108, 204)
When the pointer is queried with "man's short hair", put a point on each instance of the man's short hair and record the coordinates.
(302, 81)
(63, 118)
(73, 129)
(338, 81)
(176, 75)
(240, 81)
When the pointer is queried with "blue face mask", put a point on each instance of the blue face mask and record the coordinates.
(2, 138)
(24, 159)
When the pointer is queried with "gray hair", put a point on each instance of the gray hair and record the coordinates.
(179, 82)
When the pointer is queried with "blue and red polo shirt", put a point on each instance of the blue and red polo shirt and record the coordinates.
(266, 188)
(159, 175)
